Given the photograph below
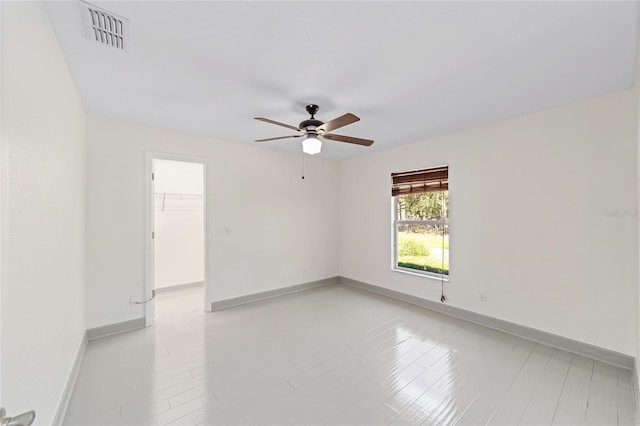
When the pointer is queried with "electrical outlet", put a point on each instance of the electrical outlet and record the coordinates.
(483, 296)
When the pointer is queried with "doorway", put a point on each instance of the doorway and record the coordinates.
(176, 269)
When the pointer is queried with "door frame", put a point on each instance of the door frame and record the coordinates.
(149, 215)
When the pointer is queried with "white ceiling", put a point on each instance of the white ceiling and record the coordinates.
(409, 70)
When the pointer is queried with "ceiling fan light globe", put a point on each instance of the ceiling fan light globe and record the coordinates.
(311, 145)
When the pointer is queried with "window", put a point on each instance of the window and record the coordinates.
(421, 221)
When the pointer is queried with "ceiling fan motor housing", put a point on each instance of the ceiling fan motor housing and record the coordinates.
(310, 124)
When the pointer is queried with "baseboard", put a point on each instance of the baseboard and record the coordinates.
(119, 327)
(179, 287)
(549, 339)
(71, 383)
(251, 298)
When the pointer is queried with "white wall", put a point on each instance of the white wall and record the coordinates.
(3, 168)
(636, 89)
(43, 229)
(178, 222)
(282, 230)
(542, 218)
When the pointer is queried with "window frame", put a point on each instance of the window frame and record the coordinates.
(394, 256)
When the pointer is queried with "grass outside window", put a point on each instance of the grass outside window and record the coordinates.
(423, 251)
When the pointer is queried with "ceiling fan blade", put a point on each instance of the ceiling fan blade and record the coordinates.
(336, 123)
(277, 123)
(279, 137)
(348, 139)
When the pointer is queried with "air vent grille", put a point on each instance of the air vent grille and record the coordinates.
(105, 27)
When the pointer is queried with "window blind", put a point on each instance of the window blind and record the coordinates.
(417, 181)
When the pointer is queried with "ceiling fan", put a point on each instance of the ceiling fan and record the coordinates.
(312, 129)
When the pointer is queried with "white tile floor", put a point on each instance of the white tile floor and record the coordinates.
(337, 356)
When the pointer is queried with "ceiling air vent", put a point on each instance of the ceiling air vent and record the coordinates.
(105, 27)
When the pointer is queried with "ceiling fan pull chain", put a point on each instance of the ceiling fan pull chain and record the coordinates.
(302, 158)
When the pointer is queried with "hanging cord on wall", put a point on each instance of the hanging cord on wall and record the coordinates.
(153, 295)
(442, 296)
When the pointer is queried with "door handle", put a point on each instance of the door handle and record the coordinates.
(24, 419)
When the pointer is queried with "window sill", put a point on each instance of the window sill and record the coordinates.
(420, 274)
